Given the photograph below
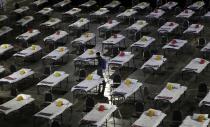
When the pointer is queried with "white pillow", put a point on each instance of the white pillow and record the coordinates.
(61, 72)
(95, 76)
(142, 21)
(65, 102)
(98, 105)
(195, 116)
(25, 97)
(127, 53)
(176, 85)
(157, 112)
(134, 81)
(158, 55)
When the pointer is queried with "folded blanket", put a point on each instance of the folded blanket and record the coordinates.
(82, 87)
(45, 114)
(4, 108)
(9, 78)
(118, 93)
(45, 82)
(163, 97)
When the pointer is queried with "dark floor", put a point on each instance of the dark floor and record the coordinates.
(155, 83)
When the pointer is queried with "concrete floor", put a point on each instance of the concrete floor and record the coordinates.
(155, 83)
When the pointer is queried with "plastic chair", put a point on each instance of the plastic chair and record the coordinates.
(16, 5)
(115, 51)
(161, 21)
(185, 25)
(135, 2)
(147, 94)
(116, 81)
(164, 40)
(55, 124)
(121, 9)
(139, 108)
(47, 70)
(48, 97)
(188, 2)
(89, 104)
(201, 43)
(12, 68)
(82, 75)
(202, 90)
(159, 3)
(13, 91)
(177, 10)
(154, 52)
(176, 118)
(147, 55)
